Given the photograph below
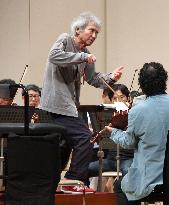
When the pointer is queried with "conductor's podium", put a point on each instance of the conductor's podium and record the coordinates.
(33, 163)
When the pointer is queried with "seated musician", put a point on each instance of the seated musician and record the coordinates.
(126, 156)
(34, 93)
(6, 97)
(133, 95)
(148, 125)
(136, 97)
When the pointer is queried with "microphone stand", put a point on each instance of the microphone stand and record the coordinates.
(118, 160)
(1, 162)
(100, 155)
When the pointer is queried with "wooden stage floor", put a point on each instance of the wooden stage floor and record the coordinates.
(99, 198)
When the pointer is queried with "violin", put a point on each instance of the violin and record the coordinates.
(35, 118)
(119, 120)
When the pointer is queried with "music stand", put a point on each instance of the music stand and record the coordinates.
(100, 116)
(102, 119)
(13, 115)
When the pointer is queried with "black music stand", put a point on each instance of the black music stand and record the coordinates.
(100, 116)
(101, 119)
(33, 166)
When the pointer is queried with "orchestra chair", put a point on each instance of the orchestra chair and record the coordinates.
(68, 182)
(33, 163)
(108, 143)
(111, 178)
(161, 192)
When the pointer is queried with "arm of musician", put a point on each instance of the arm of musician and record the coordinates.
(116, 75)
(123, 138)
(126, 139)
(59, 56)
(95, 78)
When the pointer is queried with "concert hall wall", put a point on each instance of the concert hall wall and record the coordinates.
(133, 32)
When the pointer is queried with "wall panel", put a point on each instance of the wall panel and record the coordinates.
(133, 32)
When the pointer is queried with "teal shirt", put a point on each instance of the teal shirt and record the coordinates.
(148, 125)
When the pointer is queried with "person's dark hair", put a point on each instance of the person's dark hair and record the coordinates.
(122, 88)
(108, 92)
(7, 81)
(135, 93)
(10, 82)
(33, 87)
(153, 79)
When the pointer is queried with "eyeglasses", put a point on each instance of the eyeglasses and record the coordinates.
(34, 96)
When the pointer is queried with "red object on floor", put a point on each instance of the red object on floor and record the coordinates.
(77, 190)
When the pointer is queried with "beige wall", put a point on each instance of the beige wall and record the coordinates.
(133, 32)
(137, 32)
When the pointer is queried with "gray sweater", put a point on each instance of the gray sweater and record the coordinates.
(66, 65)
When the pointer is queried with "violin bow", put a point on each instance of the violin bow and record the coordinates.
(131, 86)
(23, 74)
(104, 81)
(22, 77)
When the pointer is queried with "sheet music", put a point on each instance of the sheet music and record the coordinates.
(119, 106)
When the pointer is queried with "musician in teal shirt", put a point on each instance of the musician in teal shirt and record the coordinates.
(148, 125)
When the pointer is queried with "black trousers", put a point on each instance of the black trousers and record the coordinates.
(78, 138)
(121, 198)
(33, 171)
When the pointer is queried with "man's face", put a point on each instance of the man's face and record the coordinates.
(119, 97)
(34, 98)
(5, 101)
(88, 35)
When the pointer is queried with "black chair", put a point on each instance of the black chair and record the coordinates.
(33, 162)
(161, 193)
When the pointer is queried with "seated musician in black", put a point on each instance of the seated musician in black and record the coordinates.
(6, 97)
(126, 156)
(34, 93)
